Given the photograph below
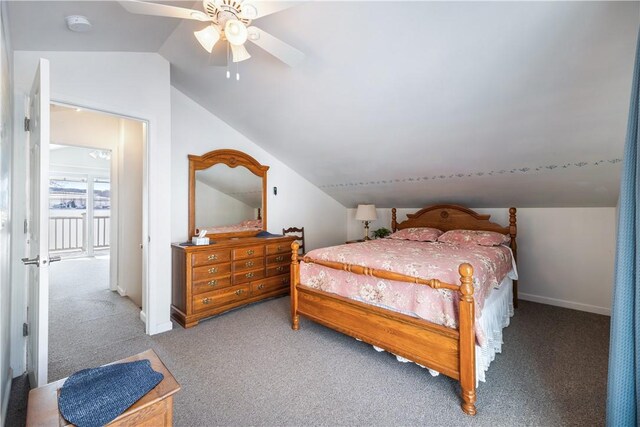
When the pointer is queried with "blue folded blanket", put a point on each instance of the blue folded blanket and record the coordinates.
(267, 234)
(96, 396)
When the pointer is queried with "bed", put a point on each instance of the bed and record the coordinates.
(447, 347)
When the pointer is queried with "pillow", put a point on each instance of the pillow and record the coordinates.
(477, 237)
(422, 234)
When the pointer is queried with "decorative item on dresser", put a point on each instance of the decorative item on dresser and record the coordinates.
(451, 347)
(244, 264)
(298, 233)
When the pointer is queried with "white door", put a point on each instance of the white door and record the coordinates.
(38, 227)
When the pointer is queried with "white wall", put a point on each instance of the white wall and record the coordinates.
(298, 203)
(127, 83)
(130, 178)
(565, 255)
(215, 208)
(6, 115)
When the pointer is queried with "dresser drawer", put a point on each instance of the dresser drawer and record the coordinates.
(210, 271)
(278, 248)
(219, 298)
(248, 252)
(209, 257)
(247, 276)
(269, 285)
(275, 270)
(211, 284)
(278, 259)
(248, 264)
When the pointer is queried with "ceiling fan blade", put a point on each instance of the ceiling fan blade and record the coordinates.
(285, 53)
(219, 56)
(155, 9)
(253, 9)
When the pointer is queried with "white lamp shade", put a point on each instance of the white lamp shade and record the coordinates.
(366, 213)
(239, 53)
(208, 37)
(235, 32)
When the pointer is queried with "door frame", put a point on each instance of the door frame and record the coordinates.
(114, 235)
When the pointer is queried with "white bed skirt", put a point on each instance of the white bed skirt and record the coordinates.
(496, 315)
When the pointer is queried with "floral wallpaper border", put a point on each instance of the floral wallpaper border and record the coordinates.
(522, 170)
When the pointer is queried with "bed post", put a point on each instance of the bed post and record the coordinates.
(295, 279)
(393, 220)
(467, 340)
(513, 230)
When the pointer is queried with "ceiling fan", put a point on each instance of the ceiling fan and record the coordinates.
(230, 21)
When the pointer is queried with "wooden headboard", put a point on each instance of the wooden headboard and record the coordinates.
(454, 217)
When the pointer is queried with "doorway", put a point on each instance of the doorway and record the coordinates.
(96, 227)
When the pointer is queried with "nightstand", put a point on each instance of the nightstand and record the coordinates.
(354, 241)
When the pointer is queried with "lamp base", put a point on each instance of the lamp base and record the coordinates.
(366, 230)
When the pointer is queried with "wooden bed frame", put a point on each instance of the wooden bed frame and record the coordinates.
(448, 351)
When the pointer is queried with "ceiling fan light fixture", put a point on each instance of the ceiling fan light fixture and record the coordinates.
(249, 11)
(236, 32)
(239, 53)
(208, 37)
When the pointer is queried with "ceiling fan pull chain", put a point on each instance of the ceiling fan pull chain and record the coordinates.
(237, 73)
(228, 72)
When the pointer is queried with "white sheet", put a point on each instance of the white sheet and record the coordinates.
(496, 315)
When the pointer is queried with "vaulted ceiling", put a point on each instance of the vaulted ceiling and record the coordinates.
(407, 103)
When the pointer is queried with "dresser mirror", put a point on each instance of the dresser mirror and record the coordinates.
(227, 194)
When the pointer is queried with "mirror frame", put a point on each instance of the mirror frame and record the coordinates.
(233, 159)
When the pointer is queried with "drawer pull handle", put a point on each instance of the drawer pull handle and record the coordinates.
(250, 252)
(249, 275)
(261, 286)
(279, 258)
(213, 282)
(248, 264)
(280, 269)
(213, 270)
(279, 248)
(239, 291)
(212, 257)
(206, 300)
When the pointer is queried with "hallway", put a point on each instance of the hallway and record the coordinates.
(85, 317)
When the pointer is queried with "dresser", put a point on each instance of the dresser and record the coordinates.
(209, 280)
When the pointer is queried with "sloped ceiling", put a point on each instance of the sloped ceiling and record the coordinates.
(406, 103)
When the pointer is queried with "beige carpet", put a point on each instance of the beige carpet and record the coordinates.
(248, 367)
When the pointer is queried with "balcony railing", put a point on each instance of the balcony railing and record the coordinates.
(69, 233)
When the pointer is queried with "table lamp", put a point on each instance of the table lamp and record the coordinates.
(366, 213)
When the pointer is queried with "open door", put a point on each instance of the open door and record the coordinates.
(37, 125)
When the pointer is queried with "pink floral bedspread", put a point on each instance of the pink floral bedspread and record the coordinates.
(426, 260)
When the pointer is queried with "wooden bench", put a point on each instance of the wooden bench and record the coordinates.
(153, 409)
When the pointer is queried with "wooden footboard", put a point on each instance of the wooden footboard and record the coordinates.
(449, 351)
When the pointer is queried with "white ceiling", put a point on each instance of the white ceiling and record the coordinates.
(407, 103)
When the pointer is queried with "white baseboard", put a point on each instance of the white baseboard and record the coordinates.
(121, 291)
(143, 317)
(5, 398)
(566, 304)
(164, 327)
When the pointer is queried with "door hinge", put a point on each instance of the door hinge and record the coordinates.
(27, 124)
(26, 226)
(25, 329)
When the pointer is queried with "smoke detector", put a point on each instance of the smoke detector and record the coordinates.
(78, 23)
